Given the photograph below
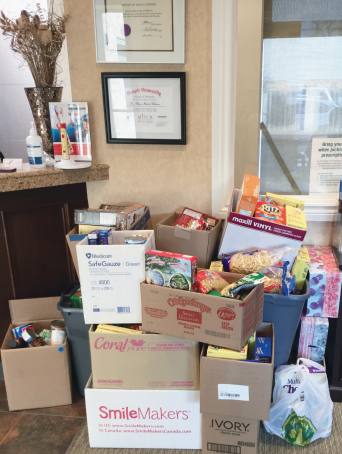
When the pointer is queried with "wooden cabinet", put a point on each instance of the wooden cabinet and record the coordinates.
(34, 257)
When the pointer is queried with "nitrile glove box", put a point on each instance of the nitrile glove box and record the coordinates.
(119, 418)
(246, 233)
(110, 277)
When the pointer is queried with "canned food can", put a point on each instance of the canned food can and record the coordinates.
(135, 239)
(18, 331)
(58, 332)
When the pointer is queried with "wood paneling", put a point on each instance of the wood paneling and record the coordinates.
(34, 257)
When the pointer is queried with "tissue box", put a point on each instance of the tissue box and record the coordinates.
(313, 338)
(325, 283)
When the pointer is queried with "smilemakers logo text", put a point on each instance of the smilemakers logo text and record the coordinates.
(148, 413)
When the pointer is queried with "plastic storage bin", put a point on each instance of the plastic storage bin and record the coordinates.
(77, 332)
(284, 312)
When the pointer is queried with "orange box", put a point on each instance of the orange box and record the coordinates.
(271, 213)
(249, 195)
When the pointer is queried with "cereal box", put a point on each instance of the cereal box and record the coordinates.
(325, 283)
(168, 269)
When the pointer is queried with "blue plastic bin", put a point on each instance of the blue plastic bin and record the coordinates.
(284, 312)
(78, 339)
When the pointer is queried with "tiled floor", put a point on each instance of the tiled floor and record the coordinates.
(39, 431)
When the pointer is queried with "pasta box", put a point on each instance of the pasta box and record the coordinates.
(215, 320)
(246, 233)
(238, 388)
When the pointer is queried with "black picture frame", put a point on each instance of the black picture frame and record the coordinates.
(106, 76)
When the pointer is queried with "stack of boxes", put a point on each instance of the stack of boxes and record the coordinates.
(145, 390)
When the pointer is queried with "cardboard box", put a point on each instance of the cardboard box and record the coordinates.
(202, 244)
(214, 320)
(239, 388)
(325, 283)
(110, 276)
(74, 237)
(143, 419)
(229, 434)
(143, 361)
(246, 233)
(36, 377)
(249, 195)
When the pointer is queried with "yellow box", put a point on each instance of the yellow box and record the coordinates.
(116, 329)
(283, 200)
(216, 266)
(300, 267)
(295, 218)
(85, 229)
(225, 353)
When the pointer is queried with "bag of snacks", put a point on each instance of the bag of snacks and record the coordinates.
(208, 281)
(196, 220)
(281, 281)
(244, 284)
(253, 262)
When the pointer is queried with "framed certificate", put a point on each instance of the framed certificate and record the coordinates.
(139, 31)
(144, 107)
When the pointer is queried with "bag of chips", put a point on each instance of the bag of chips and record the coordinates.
(253, 262)
(208, 281)
(244, 284)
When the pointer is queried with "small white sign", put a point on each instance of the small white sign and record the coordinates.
(233, 392)
(326, 165)
(13, 163)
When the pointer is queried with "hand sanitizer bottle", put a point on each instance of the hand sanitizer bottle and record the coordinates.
(35, 148)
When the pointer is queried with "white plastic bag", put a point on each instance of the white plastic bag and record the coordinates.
(301, 411)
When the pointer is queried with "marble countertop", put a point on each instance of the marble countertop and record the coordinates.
(28, 178)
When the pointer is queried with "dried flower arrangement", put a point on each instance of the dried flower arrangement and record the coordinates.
(38, 38)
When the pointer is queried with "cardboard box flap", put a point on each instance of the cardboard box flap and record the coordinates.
(34, 309)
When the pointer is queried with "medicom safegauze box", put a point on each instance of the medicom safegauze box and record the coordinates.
(119, 418)
(110, 277)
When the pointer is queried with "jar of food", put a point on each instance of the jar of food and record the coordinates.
(58, 332)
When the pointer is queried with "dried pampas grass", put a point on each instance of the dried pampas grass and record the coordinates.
(38, 37)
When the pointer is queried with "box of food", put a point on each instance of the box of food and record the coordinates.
(295, 218)
(249, 195)
(313, 338)
(122, 217)
(163, 362)
(203, 244)
(195, 220)
(229, 434)
(36, 377)
(168, 269)
(300, 267)
(110, 277)
(120, 418)
(271, 213)
(325, 283)
(239, 388)
(215, 320)
(243, 233)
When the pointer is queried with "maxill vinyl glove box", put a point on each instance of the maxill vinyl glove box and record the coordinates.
(225, 322)
(143, 361)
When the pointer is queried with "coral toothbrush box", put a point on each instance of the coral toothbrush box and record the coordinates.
(143, 361)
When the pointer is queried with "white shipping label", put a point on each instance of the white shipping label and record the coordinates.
(233, 392)
(193, 214)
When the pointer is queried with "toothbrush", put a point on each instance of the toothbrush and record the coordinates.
(60, 120)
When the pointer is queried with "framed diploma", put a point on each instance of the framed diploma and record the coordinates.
(144, 107)
(139, 31)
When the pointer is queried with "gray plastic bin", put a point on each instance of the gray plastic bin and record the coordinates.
(284, 312)
(78, 339)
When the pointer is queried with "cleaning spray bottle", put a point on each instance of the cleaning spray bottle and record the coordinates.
(35, 148)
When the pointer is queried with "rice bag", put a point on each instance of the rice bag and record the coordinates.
(253, 262)
(208, 281)
(244, 284)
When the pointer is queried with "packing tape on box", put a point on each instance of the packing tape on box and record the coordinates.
(181, 232)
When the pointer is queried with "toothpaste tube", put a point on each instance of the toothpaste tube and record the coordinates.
(18, 331)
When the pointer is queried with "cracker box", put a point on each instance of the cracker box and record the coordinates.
(295, 218)
(271, 213)
(168, 269)
(325, 283)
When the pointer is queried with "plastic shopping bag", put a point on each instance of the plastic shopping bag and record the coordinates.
(301, 411)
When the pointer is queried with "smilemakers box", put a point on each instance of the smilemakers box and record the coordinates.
(246, 233)
(200, 243)
(110, 277)
(36, 377)
(119, 418)
(210, 319)
(143, 361)
(239, 388)
(229, 434)
(75, 236)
